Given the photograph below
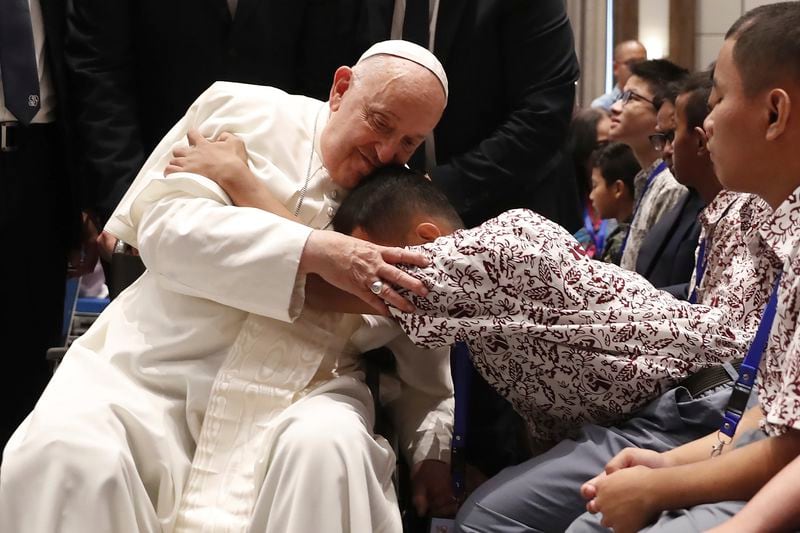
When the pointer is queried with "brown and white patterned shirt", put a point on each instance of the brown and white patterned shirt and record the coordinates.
(738, 274)
(567, 340)
(663, 194)
(779, 373)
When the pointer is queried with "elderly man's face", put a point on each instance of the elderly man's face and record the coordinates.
(377, 119)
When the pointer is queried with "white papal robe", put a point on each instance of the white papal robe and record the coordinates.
(124, 437)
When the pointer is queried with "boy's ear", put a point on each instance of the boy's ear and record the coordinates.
(428, 231)
(702, 140)
(618, 189)
(780, 106)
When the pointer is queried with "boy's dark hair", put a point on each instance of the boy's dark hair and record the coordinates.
(697, 87)
(658, 74)
(667, 93)
(384, 201)
(617, 162)
(767, 45)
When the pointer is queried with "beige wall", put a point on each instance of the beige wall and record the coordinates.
(714, 17)
(588, 18)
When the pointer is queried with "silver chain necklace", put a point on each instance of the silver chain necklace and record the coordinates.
(310, 161)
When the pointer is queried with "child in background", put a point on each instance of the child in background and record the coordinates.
(589, 132)
(613, 172)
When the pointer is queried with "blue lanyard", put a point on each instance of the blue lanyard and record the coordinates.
(700, 268)
(747, 373)
(598, 237)
(461, 369)
(656, 171)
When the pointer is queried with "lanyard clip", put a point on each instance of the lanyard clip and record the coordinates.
(722, 441)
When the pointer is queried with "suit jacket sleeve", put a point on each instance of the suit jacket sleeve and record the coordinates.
(540, 71)
(99, 55)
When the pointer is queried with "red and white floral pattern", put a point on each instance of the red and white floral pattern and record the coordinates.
(779, 374)
(663, 194)
(739, 273)
(567, 340)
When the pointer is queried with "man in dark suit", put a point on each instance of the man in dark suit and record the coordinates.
(512, 69)
(137, 65)
(667, 255)
(40, 219)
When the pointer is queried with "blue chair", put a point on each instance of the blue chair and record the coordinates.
(79, 313)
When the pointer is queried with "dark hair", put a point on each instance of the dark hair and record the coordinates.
(767, 44)
(658, 74)
(617, 162)
(384, 202)
(667, 93)
(581, 143)
(697, 87)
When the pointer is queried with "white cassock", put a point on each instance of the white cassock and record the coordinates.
(204, 398)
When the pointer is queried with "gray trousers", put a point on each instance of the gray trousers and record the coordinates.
(692, 520)
(543, 493)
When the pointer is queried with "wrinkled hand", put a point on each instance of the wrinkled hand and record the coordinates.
(82, 260)
(352, 265)
(627, 458)
(432, 489)
(220, 160)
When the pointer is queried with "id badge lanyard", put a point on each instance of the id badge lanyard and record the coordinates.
(747, 375)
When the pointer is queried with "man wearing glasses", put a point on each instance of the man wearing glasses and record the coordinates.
(666, 257)
(626, 54)
(633, 119)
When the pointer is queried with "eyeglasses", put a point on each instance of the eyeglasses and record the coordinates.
(627, 95)
(659, 140)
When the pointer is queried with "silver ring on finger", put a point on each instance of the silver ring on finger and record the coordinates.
(376, 287)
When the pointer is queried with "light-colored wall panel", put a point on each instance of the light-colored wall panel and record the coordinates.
(706, 49)
(750, 4)
(654, 27)
(716, 16)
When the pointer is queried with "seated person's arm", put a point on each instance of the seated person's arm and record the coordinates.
(225, 162)
(631, 495)
(774, 508)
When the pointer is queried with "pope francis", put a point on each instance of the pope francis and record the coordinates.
(205, 397)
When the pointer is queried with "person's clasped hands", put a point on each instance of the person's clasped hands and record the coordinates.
(623, 491)
(358, 267)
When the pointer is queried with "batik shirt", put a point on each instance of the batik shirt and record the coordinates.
(779, 373)
(663, 194)
(613, 249)
(737, 271)
(566, 339)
